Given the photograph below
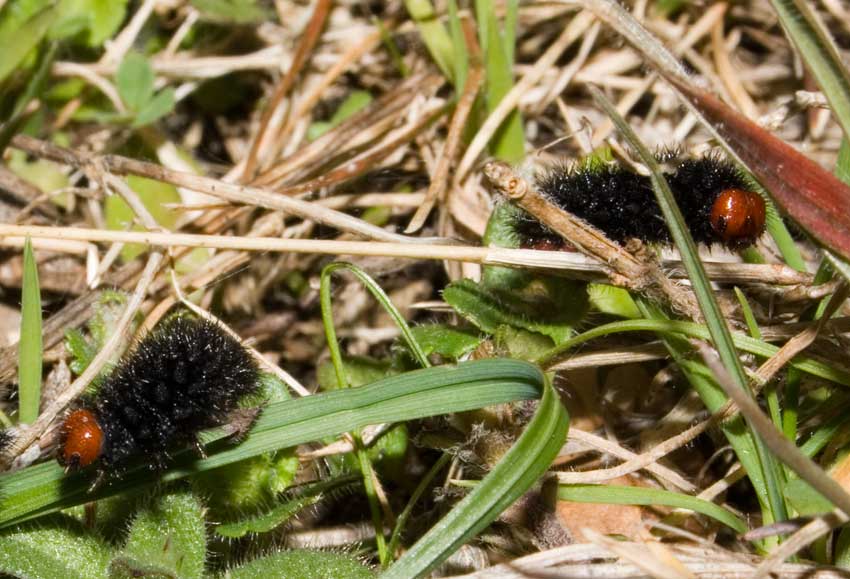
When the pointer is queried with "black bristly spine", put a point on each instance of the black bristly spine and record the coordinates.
(6, 439)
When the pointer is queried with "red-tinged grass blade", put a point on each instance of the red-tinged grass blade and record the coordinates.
(815, 198)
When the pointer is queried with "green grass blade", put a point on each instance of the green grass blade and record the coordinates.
(508, 143)
(382, 298)
(749, 317)
(842, 164)
(788, 249)
(693, 330)
(842, 171)
(423, 484)
(460, 58)
(509, 35)
(33, 90)
(820, 54)
(519, 469)
(43, 488)
(29, 352)
(434, 35)
(623, 495)
(18, 37)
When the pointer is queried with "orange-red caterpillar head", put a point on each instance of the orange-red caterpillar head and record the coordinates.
(737, 216)
(82, 439)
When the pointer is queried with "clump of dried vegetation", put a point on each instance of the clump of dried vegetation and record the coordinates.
(337, 183)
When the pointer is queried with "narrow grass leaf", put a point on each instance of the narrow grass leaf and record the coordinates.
(671, 327)
(625, 495)
(30, 349)
(21, 29)
(434, 35)
(508, 143)
(34, 88)
(460, 58)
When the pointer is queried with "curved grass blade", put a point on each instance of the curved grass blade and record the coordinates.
(342, 379)
(382, 298)
(624, 495)
(526, 461)
(43, 488)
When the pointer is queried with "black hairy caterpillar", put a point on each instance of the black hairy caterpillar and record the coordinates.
(185, 376)
(711, 192)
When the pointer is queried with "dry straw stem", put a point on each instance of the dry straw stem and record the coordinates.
(363, 127)
(718, 487)
(802, 340)
(273, 114)
(651, 557)
(727, 73)
(235, 193)
(640, 274)
(23, 191)
(123, 42)
(576, 264)
(574, 30)
(612, 357)
(810, 533)
(192, 67)
(318, 91)
(633, 462)
(589, 561)
(367, 160)
(437, 188)
(637, 462)
(102, 84)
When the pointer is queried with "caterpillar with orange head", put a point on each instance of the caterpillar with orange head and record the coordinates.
(715, 198)
(187, 375)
